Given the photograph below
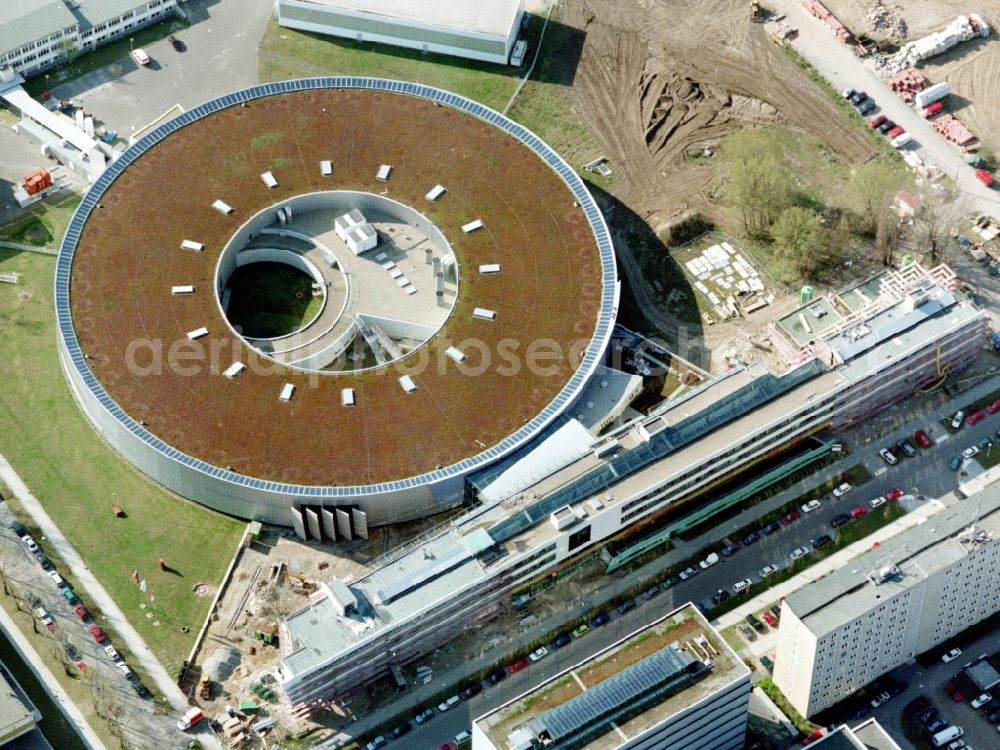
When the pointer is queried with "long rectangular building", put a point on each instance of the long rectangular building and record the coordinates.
(915, 591)
(662, 466)
(674, 683)
(38, 34)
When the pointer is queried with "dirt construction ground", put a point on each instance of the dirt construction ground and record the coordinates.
(972, 68)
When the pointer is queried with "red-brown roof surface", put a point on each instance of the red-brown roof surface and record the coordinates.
(129, 257)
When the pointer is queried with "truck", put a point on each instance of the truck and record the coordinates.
(932, 94)
(933, 109)
(901, 140)
(191, 717)
(984, 177)
(945, 736)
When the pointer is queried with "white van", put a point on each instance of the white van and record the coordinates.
(140, 56)
(945, 736)
(901, 140)
(463, 737)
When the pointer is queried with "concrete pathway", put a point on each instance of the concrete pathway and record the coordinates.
(116, 619)
(45, 676)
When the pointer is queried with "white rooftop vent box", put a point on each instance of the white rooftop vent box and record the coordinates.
(456, 354)
(606, 448)
(435, 192)
(915, 299)
(269, 180)
(286, 392)
(383, 173)
(197, 333)
(563, 518)
(331, 259)
(347, 396)
(488, 268)
(234, 369)
(192, 245)
(326, 168)
(482, 312)
(340, 596)
(182, 289)
(222, 207)
(472, 226)
(407, 383)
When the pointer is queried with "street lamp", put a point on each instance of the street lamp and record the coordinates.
(131, 44)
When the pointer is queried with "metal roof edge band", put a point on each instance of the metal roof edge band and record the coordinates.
(572, 180)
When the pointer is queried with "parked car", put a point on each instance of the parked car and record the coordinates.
(971, 451)
(709, 561)
(842, 490)
(928, 715)
(81, 612)
(730, 549)
(517, 665)
(956, 462)
(877, 121)
(125, 669)
(888, 456)
(97, 633)
(958, 419)
(798, 553)
(951, 655)
(470, 690)
(376, 743)
(790, 517)
(755, 623)
(720, 596)
(975, 417)
(858, 510)
(750, 538)
(767, 570)
(30, 543)
(583, 629)
(857, 97)
(981, 700)
(56, 578)
(877, 501)
(771, 528)
(538, 654)
(602, 619)
(847, 93)
(775, 610)
(398, 731)
(839, 520)
(769, 618)
(985, 443)
(647, 595)
(686, 573)
(110, 651)
(994, 407)
(43, 616)
(748, 633)
(19, 529)
(821, 541)
(936, 726)
(625, 606)
(894, 494)
(741, 585)
(428, 713)
(558, 643)
(447, 746)
(810, 506)
(894, 133)
(907, 447)
(886, 126)
(880, 699)
(922, 439)
(45, 562)
(865, 107)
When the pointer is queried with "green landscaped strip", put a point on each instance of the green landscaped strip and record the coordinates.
(43, 224)
(77, 478)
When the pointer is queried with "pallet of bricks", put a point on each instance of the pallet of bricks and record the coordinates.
(816, 8)
(950, 127)
(907, 83)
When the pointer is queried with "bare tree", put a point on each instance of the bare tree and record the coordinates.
(939, 211)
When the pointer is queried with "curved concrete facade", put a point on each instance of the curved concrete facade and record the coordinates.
(270, 501)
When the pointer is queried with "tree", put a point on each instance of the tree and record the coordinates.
(800, 241)
(872, 186)
(938, 211)
(887, 235)
(756, 181)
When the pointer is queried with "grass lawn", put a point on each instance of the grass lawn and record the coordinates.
(104, 55)
(43, 224)
(77, 478)
(271, 299)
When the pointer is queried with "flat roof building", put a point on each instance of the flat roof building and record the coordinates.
(672, 684)
(18, 715)
(572, 493)
(484, 30)
(913, 592)
(868, 735)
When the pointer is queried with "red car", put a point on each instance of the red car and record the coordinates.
(858, 510)
(447, 746)
(769, 618)
(97, 633)
(994, 407)
(793, 516)
(894, 494)
(922, 440)
(518, 665)
(474, 689)
(80, 612)
(952, 689)
(973, 418)
(895, 132)
(877, 121)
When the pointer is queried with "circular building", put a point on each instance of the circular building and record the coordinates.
(324, 302)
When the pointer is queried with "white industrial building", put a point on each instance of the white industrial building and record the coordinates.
(483, 30)
(38, 34)
(910, 594)
(353, 228)
(692, 693)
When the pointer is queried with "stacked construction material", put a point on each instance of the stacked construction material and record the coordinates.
(907, 83)
(36, 181)
(816, 8)
(954, 131)
(962, 29)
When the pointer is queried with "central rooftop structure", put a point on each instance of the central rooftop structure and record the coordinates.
(400, 445)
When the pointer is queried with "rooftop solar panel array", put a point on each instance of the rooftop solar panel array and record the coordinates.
(590, 361)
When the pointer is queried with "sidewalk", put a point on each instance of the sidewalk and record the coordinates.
(116, 619)
(45, 676)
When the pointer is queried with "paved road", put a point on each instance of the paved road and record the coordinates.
(95, 592)
(838, 65)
